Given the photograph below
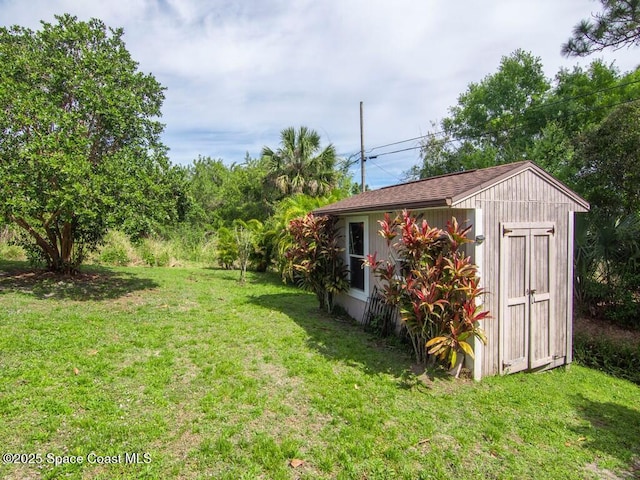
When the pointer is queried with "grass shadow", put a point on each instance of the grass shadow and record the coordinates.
(611, 428)
(343, 339)
(92, 283)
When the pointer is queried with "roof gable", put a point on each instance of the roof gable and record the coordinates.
(441, 191)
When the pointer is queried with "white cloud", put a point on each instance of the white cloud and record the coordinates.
(239, 72)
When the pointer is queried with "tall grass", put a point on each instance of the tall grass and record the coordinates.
(176, 250)
(117, 249)
(9, 249)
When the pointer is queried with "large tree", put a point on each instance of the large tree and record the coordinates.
(494, 121)
(617, 26)
(609, 154)
(79, 138)
(300, 164)
(224, 193)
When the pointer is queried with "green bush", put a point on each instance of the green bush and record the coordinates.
(9, 245)
(155, 252)
(12, 252)
(607, 268)
(116, 250)
(227, 248)
(615, 358)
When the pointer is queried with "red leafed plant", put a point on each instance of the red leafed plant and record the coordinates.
(314, 258)
(433, 283)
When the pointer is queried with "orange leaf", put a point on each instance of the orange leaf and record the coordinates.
(295, 463)
(76, 371)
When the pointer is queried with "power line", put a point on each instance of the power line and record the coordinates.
(512, 128)
(537, 107)
(461, 138)
(397, 143)
(395, 151)
(387, 171)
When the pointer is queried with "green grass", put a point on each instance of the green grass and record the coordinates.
(213, 379)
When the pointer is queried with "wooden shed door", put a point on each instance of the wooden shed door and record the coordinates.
(526, 290)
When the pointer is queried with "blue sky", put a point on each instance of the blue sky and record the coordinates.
(238, 72)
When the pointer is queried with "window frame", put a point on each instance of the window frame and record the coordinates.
(355, 292)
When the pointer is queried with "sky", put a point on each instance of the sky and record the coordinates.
(238, 72)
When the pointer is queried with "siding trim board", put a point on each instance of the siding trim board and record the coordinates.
(570, 277)
(478, 259)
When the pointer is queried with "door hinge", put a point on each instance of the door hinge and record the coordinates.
(506, 230)
(552, 230)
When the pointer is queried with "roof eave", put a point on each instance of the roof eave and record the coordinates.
(444, 202)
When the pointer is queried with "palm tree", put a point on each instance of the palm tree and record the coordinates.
(299, 165)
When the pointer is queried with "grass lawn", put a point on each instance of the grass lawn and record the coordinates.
(206, 378)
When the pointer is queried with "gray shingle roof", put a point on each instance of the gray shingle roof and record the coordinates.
(440, 191)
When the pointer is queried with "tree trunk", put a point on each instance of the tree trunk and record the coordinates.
(59, 258)
(66, 265)
(50, 252)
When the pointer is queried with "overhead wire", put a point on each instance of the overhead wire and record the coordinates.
(459, 138)
(375, 164)
(537, 107)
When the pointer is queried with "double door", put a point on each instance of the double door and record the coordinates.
(527, 265)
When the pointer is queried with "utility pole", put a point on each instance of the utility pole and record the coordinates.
(362, 159)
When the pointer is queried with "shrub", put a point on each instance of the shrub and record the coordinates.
(227, 249)
(607, 267)
(12, 252)
(434, 285)
(155, 252)
(9, 248)
(314, 259)
(615, 358)
(116, 249)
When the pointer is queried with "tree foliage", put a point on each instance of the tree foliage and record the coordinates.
(494, 121)
(223, 193)
(300, 164)
(516, 114)
(79, 139)
(610, 162)
(616, 26)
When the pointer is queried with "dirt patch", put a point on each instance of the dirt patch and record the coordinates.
(604, 474)
(594, 328)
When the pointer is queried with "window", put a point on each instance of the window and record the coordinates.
(356, 254)
(357, 238)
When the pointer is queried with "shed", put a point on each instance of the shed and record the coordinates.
(526, 220)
